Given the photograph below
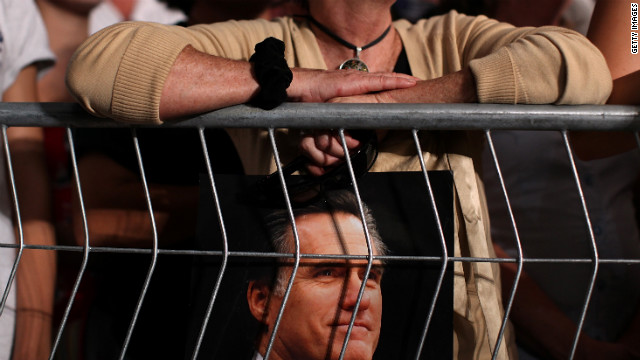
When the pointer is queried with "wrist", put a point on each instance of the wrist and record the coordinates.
(295, 90)
(467, 86)
(458, 87)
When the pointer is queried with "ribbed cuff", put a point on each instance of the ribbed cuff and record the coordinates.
(142, 73)
(497, 79)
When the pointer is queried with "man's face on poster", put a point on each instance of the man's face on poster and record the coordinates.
(324, 294)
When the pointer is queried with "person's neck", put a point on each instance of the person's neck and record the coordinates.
(125, 7)
(275, 353)
(359, 25)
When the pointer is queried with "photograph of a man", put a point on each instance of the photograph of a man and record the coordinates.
(325, 291)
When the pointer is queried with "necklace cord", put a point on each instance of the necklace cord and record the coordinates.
(345, 42)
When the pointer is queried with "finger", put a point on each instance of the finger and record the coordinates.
(396, 81)
(364, 83)
(355, 99)
(331, 144)
(316, 170)
(317, 156)
(352, 142)
(406, 76)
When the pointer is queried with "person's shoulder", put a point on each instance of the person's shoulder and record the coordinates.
(279, 22)
(426, 23)
(450, 17)
(261, 26)
(450, 22)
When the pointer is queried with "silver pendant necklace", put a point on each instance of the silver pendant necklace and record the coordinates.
(354, 63)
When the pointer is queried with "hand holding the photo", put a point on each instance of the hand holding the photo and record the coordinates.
(324, 150)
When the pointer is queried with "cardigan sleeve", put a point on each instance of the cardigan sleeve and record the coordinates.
(546, 65)
(120, 71)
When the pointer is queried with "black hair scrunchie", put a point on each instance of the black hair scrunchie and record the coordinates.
(271, 72)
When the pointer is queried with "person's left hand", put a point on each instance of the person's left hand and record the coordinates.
(458, 87)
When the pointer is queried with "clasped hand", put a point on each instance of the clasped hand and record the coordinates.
(324, 148)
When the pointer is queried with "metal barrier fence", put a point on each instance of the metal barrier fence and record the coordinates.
(410, 117)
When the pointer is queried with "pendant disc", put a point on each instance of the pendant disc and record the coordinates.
(355, 64)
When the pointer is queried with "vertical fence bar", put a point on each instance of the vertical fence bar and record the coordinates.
(16, 206)
(86, 249)
(295, 237)
(443, 244)
(155, 247)
(225, 243)
(368, 238)
(520, 259)
(596, 259)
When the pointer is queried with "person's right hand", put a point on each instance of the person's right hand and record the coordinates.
(310, 85)
(324, 150)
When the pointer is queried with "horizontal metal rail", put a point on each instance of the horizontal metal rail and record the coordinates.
(358, 116)
(250, 254)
